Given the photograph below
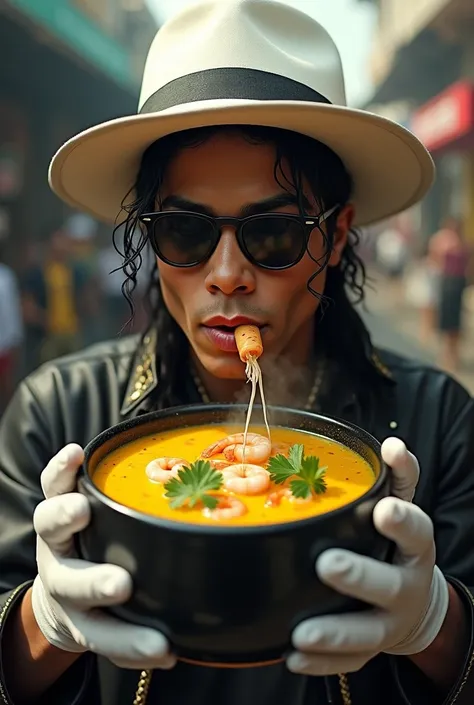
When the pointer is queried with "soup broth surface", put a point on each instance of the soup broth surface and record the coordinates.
(122, 476)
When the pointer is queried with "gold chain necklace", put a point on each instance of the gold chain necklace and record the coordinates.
(144, 682)
(307, 407)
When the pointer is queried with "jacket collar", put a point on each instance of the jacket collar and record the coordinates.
(143, 379)
(380, 367)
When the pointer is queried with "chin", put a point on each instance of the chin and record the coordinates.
(228, 367)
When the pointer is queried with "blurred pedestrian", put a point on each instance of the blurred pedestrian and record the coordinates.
(450, 254)
(392, 252)
(53, 299)
(422, 291)
(83, 231)
(33, 325)
(11, 332)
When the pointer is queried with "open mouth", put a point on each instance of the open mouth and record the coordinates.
(225, 329)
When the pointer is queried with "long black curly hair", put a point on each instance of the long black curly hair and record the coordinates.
(340, 329)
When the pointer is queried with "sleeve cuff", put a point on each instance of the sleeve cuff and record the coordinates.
(415, 689)
(75, 687)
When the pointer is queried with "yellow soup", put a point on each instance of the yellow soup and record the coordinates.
(122, 476)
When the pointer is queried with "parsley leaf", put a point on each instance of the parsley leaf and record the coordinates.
(280, 469)
(192, 485)
(313, 474)
(307, 478)
(300, 489)
(295, 456)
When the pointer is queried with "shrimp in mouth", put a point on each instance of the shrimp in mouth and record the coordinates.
(257, 448)
(227, 508)
(246, 479)
(164, 469)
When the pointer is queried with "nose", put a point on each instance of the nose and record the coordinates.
(230, 272)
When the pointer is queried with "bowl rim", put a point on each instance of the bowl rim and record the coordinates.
(227, 530)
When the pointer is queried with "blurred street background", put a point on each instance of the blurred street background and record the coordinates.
(70, 64)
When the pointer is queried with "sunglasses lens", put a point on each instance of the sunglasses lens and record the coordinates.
(183, 239)
(274, 241)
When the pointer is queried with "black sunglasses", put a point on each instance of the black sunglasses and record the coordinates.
(268, 240)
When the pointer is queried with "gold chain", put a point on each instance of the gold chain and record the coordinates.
(307, 407)
(345, 690)
(146, 676)
(144, 683)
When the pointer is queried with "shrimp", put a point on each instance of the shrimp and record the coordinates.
(257, 448)
(163, 469)
(249, 342)
(228, 508)
(246, 479)
(274, 498)
(219, 465)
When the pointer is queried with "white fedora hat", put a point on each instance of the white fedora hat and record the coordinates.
(255, 62)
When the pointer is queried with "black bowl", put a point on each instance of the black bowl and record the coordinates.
(223, 595)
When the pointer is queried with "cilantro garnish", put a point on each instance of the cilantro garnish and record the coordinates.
(192, 485)
(309, 478)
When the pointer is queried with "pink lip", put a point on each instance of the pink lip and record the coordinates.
(223, 340)
(231, 322)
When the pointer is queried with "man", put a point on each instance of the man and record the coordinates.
(82, 231)
(247, 222)
(53, 298)
(450, 256)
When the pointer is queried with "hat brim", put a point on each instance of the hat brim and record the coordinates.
(95, 170)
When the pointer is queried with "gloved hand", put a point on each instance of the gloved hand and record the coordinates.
(67, 592)
(410, 596)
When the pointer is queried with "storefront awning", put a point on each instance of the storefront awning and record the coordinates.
(420, 68)
(447, 120)
(74, 30)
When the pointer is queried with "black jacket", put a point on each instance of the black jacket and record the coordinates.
(75, 398)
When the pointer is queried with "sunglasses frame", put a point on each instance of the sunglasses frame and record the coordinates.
(308, 223)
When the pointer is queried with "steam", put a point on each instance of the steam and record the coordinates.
(286, 385)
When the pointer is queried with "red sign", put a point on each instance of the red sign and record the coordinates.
(447, 118)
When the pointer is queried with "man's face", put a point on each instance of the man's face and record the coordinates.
(224, 176)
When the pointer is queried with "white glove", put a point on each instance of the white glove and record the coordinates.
(68, 591)
(410, 596)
